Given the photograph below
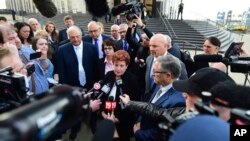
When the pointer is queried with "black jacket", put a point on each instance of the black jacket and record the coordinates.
(153, 112)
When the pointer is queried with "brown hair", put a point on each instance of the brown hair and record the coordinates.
(110, 42)
(67, 17)
(34, 41)
(54, 34)
(121, 55)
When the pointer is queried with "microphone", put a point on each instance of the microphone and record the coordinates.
(5, 69)
(96, 86)
(105, 131)
(105, 90)
(110, 104)
(208, 58)
(119, 85)
(46, 7)
(97, 8)
(119, 9)
(240, 115)
(38, 120)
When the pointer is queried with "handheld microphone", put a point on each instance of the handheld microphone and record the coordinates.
(96, 86)
(240, 115)
(208, 58)
(105, 90)
(119, 85)
(110, 104)
(5, 69)
(46, 7)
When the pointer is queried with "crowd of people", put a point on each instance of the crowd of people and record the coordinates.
(143, 70)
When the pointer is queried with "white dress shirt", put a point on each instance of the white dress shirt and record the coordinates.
(82, 75)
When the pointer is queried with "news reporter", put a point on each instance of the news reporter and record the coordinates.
(125, 119)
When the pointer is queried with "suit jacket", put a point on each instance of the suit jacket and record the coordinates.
(101, 65)
(149, 127)
(88, 39)
(149, 63)
(126, 118)
(62, 35)
(68, 65)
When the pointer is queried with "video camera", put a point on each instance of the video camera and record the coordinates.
(13, 90)
(36, 121)
(131, 9)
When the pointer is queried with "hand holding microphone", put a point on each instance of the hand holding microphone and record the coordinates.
(124, 98)
(95, 104)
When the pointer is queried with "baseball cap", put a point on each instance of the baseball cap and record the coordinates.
(230, 95)
(202, 128)
(202, 80)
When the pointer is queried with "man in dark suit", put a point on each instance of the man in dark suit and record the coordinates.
(77, 65)
(77, 61)
(166, 70)
(96, 37)
(68, 22)
(159, 45)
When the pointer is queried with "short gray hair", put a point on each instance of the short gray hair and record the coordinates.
(169, 40)
(171, 64)
(75, 28)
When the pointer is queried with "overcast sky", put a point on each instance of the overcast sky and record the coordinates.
(2, 4)
(209, 8)
(205, 8)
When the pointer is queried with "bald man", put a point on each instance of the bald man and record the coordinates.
(158, 46)
(115, 32)
(96, 37)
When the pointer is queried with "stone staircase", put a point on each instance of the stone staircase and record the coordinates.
(208, 30)
(187, 34)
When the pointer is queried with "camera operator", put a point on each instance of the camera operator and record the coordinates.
(226, 97)
(211, 46)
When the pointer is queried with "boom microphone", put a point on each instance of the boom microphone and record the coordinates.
(208, 58)
(46, 7)
(97, 8)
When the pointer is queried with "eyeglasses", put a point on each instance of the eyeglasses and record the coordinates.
(108, 48)
(205, 46)
(93, 31)
(122, 32)
(159, 72)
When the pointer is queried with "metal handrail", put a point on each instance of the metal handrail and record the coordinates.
(188, 43)
(167, 25)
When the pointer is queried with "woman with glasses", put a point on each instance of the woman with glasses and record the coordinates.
(109, 47)
(120, 81)
(211, 46)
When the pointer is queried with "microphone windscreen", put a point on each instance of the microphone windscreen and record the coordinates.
(46, 7)
(97, 8)
(105, 131)
(231, 95)
(119, 9)
(208, 58)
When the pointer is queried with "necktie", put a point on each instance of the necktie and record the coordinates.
(125, 45)
(96, 45)
(157, 95)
